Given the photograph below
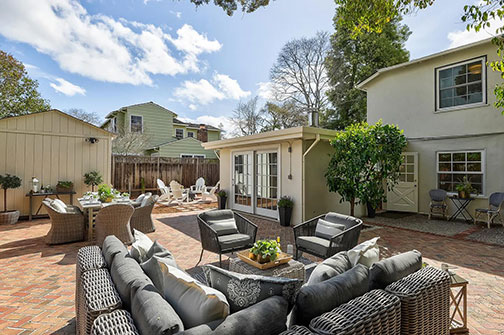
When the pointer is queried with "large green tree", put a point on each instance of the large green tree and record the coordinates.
(364, 157)
(18, 92)
(353, 58)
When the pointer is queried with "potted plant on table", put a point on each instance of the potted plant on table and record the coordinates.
(105, 193)
(464, 189)
(265, 251)
(222, 198)
(64, 186)
(9, 182)
(285, 205)
(93, 178)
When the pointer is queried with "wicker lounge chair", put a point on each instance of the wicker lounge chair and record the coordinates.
(438, 203)
(142, 219)
(307, 241)
(66, 226)
(114, 220)
(225, 231)
(494, 210)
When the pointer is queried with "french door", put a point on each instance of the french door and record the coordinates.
(255, 182)
(404, 196)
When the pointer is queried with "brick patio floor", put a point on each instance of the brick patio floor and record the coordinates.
(37, 281)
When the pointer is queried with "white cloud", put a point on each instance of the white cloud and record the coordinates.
(203, 92)
(265, 90)
(177, 14)
(67, 88)
(462, 37)
(99, 46)
(193, 107)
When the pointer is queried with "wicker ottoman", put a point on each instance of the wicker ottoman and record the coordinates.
(293, 269)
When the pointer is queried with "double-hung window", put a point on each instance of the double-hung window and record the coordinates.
(190, 134)
(179, 133)
(461, 85)
(453, 166)
(136, 124)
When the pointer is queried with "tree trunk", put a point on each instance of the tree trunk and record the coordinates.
(352, 206)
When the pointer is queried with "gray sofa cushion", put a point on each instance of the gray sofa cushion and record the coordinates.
(124, 271)
(313, 300)
(243, 291)
(330, 267)
(222, 221)
(389, 270)
(151, 312)
(326, 229)
(346, 220)
(317, 244)
(112, 246)
(159, 251)
(152, 269)
(235, 240)
(267, 317)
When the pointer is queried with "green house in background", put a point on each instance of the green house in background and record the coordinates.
(167, 135)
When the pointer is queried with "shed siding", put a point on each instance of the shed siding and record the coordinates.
(52, 147)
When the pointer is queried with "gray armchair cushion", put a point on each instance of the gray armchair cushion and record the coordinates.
(124, 271)
(243, 291)
(346, 220)
(151, 312)
(222, 221)
(389, 270)
(267, 317)
(326, 229)
(317, 244)
(234, 241)
(330, 267)
(112, 246)
(313, 300)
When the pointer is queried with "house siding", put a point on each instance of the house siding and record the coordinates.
(157, 122)
(185, 146)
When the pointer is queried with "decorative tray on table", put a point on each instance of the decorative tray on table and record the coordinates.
(281, 259)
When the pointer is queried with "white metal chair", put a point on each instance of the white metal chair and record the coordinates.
(165, 191)
(200, 186)
(210, 195)
(494, 210)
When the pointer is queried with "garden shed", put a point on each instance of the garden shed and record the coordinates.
(257, 170)
(51, 146)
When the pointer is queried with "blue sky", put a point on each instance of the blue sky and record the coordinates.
(102, 55)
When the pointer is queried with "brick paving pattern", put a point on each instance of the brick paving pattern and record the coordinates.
(37, 281)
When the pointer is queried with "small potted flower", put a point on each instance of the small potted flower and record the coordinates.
(9, 182)
(464, 189)
(265, 251)
(105, 193)
(222, 197)
(285, 205)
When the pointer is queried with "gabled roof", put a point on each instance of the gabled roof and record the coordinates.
(123, 109)
(63, 113)
(193, 125)
(174, 140)
(362, 85)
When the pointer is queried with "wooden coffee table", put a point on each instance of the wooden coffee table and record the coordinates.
(293, 269)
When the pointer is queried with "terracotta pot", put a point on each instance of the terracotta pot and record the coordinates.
(463, 194)
(9, 217)
(263, 260)
(252, 256)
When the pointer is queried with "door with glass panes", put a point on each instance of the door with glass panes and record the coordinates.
(404, 196)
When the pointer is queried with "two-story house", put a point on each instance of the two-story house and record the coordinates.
(445, 104)
(166, 135)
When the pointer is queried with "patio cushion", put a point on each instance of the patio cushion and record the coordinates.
(326, 229)
(317, 244)
(234, 241)
(222, 221)
(313, 300)
(112, 246)
(389, 270)
(140, 246)
(330, 267)
(366, 253)
(58, 205)
(151, 312)
(194, 302)
(161, 252)
(346, 220)
(124, 271)
(243, 291)
(152, 269)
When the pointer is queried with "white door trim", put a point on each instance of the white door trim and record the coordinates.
(240, 207)
(404, 196)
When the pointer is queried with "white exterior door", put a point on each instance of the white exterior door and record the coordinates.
(404, 196)
(242, 181)
(266, 183)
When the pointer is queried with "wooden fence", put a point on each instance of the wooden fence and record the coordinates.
(130, 172)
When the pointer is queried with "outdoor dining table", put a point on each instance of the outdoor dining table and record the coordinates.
(91, 207)
(461, 207)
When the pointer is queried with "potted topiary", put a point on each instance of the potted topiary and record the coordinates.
(93, 178)
(64, 186)
(285, 205)
(9, 182)
(222, 197)
(464, 189)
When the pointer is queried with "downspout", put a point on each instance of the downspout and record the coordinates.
(317, 139)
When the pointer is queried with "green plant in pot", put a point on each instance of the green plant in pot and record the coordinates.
(265, 251)
(222, 198)
(465, 188)
(64, 186)
(9, 182)
(285, 205)
(93, 178)
(105, 193)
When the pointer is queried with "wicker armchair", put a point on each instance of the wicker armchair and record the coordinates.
(494, 210)
(438, 203)
(306, 241)
(219, 239)
(142, 219)
(114, 220)
(66, 226)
